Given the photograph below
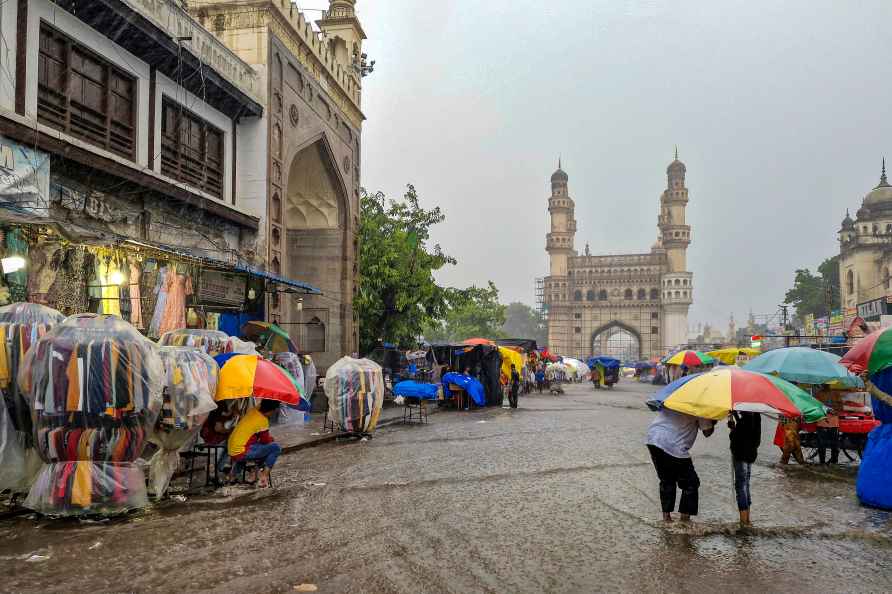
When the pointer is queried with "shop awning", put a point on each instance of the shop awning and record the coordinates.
(294, 286)
(280, 280)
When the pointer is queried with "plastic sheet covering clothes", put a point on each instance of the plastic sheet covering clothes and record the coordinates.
(21, 325)
(241, 347)
(291, 363)
(190, 381)
(467, 383)
(212, 342)
(310, 375)
(95, 387)
(355, 391)
(413, 389)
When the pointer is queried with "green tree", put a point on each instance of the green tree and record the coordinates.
(397, 296)
(473, 312)
(522, 321)
(811, 292)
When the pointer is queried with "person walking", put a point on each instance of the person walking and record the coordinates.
(540, 379)
(514, 388)
(669, 439)
(746, 433)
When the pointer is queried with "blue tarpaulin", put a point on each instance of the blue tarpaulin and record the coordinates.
(413, 389)
(468, 384)
(874, 485)
(605, 362)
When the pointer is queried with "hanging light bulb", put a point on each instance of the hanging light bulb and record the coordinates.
(116, 278)
(12, 264)
(252, 294)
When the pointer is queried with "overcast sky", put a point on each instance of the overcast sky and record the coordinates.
(779, 110)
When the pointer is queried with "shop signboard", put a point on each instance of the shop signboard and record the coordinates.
(870, 311)
(24, 178)
(222, 288)
(808, 325)
(821, 325)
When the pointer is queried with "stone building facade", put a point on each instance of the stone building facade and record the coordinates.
(311, 134)
(865, 251)
(630, 306)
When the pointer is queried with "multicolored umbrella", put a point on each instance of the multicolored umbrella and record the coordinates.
(714, 394)
(690, 359)
(872, 354)
(243, 376)
(805, 366)
(269, 337)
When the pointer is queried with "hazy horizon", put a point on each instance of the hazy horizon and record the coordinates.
(777, 111)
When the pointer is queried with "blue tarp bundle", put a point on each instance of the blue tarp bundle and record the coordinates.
(874, 485)
(605, 362)
(468, 384)
(413, 389)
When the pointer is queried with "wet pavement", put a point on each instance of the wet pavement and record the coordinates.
(557, 496)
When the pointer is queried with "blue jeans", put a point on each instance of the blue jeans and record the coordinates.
(742, 484)
(265, 454)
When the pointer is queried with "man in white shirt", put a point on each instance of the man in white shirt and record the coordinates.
(669, 439)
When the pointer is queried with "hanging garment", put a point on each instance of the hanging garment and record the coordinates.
(68, 292)
(17, 281)
(160, 292)
(178, 287)
(111, 292)
(136, 317)
(42, 273)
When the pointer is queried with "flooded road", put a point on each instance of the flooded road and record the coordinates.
(557, 496)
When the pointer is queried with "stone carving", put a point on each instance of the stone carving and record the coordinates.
(294, 115)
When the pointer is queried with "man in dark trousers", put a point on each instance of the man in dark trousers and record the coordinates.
(669, 439)
(515, 387)
(746, 433)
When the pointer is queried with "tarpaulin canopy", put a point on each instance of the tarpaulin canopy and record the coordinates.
(468, 384)
(527, 344)
(413, 389)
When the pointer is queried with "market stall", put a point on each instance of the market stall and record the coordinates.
(190, 381)
(95, 388)
(483, 362)
(355, 390)
(21, 325)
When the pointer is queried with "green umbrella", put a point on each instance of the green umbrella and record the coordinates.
(805, 366)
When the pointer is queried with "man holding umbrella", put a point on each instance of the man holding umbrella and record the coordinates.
(669, 439)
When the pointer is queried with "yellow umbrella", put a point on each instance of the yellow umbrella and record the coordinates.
(729, 355)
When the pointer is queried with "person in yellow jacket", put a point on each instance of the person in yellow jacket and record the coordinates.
(250, 440)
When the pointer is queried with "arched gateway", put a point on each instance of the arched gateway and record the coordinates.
(618, 341)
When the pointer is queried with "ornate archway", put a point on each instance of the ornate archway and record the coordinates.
(617, 340)
(315, 217)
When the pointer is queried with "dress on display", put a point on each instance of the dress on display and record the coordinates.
(178, 286)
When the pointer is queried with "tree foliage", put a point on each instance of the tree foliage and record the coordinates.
(471, 313)
(817, 293)
(522, 321)
(398, 296)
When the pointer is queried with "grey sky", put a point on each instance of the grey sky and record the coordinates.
(778, 109)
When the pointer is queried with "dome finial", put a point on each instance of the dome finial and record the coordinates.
(559, 161)
(676, 152)
(883, 180)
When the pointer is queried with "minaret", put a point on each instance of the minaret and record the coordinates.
(344, 34)
(675, 237)
(561, 208)
(559, 245)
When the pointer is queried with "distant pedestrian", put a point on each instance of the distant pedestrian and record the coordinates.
(540, 379)
(746, 433)
(514, 387)
(669, 439)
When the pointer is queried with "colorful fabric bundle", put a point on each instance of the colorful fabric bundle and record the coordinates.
(21, 324)
(212, 342)
(95, 388)
(190, 382)
(355, 390)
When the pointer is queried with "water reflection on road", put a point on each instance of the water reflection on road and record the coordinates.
(557, 496)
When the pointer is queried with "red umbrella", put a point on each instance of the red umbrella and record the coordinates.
(476, 341)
